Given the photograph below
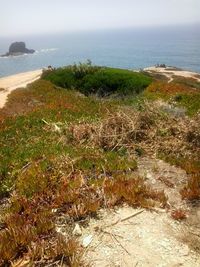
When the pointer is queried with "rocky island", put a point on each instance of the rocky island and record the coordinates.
(18, 48)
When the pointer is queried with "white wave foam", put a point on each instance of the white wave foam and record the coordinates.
(14, 56)
(48, 49)
(3, 57)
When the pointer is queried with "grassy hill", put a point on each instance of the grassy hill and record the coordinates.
(69, 144)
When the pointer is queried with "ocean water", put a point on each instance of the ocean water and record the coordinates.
(127, 48)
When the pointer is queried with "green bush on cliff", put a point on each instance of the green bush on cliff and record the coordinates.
(102, 81)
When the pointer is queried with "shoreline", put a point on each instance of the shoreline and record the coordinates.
(12, 82)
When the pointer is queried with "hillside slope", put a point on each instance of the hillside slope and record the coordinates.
(76, 165)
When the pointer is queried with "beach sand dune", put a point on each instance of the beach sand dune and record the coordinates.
(21, 80)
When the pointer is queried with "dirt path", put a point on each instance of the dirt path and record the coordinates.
(149, 239)
(162, 176)
(169, 73)
(10, 83)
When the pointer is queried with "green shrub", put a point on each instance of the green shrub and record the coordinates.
(107, 81)
(90, 79)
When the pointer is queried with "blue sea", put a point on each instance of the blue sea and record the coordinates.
(124, 48)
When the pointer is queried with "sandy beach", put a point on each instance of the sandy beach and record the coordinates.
(21, 80)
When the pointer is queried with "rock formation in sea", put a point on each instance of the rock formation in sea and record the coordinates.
(18, 48)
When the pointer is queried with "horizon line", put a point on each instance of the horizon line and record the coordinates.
(132, 27)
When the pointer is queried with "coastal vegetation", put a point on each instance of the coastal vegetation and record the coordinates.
(185, 95)
(101, 81)
(66, 151)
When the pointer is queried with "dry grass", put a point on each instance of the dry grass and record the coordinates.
(153, 131)
(117, 130)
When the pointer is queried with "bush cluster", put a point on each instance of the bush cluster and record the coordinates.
(101, 81)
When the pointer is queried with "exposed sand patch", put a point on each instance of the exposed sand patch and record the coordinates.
(13, 82)
(170, 72)
(128, 237)
(147, 240)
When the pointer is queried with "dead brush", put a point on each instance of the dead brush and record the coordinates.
(181, 142)
(128, 128)
(82, 132)
(120, 129)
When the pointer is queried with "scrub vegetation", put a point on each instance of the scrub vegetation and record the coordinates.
(67, 149)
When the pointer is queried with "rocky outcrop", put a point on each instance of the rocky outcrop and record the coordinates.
(18, 48)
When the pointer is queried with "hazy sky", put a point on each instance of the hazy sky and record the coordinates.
(18, 17)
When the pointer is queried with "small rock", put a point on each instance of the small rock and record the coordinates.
(58, 230)
(56, 129)
(87, 240)
(77, 230)
(149, 175)
(54, 210)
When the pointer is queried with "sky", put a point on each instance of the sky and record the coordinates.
(19, 17)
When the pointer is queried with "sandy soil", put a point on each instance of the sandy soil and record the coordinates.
(169, 73)
(148, 239)
(10, 83)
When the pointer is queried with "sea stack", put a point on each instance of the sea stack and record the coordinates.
(18, 48)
